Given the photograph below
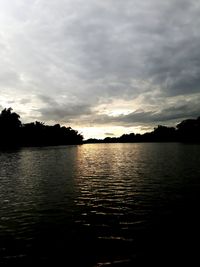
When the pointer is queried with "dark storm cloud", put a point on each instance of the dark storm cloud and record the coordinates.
(165, 115)
(119, 47)
(155, 41)
(62, 112)
(79, 54)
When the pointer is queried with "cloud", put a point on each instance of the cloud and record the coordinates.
(25, 101)
(109, 134)
(119, 45)
(65, 58)
(189, 109)
(53, 110)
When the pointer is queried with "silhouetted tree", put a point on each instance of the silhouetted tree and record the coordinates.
(126, 138)
(9, 120)
(186, 131)
(163, 133)
(14, 133)
(189, 130)
(9, 128)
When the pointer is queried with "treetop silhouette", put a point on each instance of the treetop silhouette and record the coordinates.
(15, 134)
(186, 131)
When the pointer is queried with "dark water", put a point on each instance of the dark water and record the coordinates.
(100, 205)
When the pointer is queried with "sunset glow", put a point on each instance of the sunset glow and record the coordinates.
(107, 67)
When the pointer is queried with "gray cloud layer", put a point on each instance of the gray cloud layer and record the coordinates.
(67, 57)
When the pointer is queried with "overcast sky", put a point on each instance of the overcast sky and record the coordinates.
(104, 67)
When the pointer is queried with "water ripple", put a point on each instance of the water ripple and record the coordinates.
(110, 204)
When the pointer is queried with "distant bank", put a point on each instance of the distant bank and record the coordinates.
(187, 131)
(13, 133)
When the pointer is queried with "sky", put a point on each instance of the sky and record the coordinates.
(103, 67)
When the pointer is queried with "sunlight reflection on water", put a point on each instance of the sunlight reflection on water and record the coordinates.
(97, 205)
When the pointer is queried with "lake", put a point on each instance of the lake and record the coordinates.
(100, 205)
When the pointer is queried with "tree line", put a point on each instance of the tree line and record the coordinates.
(187, 131)
(13, 133)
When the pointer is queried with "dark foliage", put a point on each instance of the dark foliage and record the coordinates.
(186, 131)
(189, 130)
(14, 134)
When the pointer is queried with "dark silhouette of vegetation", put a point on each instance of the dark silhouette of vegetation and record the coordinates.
(15, 134)
(186, 131)
(189, 130)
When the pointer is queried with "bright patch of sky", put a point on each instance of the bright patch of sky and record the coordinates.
(103, 67)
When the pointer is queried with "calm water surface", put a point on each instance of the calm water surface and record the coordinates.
(100, 205)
